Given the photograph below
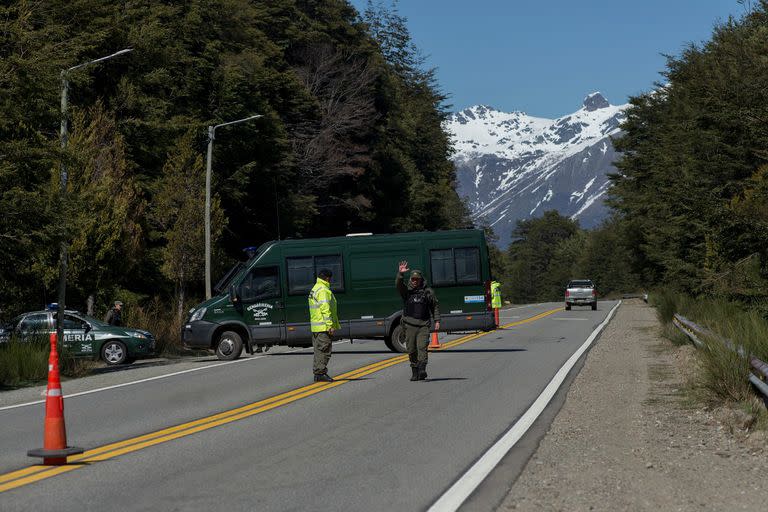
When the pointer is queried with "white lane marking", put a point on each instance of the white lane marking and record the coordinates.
(158, 377)
(455, 496)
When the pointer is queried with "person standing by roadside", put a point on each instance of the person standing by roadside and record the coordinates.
(324, 321)
(115, 314)
(420, 308)
(496, 299)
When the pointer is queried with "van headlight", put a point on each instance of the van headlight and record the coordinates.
(197, 315)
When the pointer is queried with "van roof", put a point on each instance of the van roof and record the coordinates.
(415, 235)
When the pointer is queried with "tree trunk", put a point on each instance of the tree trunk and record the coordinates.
(180, 297)
(89, 305)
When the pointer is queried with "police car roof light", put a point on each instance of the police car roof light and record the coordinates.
(53, 306)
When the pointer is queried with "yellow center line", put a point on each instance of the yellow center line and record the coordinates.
(38, 472)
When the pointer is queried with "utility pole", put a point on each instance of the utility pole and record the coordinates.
(63, 177)
(209, 158)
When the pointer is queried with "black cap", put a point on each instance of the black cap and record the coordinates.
(325, 274)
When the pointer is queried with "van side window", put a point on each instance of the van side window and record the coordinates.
(451, 267)
(443, 271)
(302, 272)
(261, 283)
(467, 265)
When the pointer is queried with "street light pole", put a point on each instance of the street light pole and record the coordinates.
(209, 159)
(63, 177)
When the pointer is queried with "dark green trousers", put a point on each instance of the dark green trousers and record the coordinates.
(321, 342)
(417, 341)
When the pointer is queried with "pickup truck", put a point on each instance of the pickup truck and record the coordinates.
(580, 292)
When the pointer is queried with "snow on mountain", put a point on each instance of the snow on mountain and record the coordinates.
(514, 166)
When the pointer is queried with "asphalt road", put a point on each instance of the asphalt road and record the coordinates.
(373, 442)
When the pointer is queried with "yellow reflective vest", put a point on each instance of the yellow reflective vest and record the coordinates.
(495, 294)
(322, 307)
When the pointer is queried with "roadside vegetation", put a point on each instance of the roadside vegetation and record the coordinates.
(23, 364)
(720, 377)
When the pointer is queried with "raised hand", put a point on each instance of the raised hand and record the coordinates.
(403, 266)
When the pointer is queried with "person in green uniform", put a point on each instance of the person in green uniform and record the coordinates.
(420, 310)
(324, 321)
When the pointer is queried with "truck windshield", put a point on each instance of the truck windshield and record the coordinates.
(224, 282)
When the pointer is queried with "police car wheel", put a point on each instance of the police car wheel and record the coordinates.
(230, 346)
(398, 339)
(114, 352)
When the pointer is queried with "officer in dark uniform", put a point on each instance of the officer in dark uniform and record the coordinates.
(420, 309)
(115, 314)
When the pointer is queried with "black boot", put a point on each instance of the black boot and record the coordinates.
(415, 370)
(258, 349)
(422, 371)
(323, 377)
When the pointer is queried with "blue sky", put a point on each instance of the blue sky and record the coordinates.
(543, 57)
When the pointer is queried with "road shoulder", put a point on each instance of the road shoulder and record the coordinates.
(627, 439)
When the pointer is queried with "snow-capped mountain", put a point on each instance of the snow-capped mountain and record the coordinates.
(514, 166)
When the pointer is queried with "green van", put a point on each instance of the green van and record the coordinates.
(264, 301)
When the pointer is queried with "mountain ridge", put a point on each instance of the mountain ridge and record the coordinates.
(513, 166)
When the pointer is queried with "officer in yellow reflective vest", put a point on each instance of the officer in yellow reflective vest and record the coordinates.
(324, 321)
(495, 294)
(496, 299)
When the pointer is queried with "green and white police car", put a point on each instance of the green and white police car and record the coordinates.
(84, 336)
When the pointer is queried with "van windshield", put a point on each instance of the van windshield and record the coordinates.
(227, 279)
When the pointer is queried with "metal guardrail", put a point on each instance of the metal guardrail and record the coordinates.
(694, 332)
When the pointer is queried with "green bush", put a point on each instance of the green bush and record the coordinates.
(665, 303)
(26, 364)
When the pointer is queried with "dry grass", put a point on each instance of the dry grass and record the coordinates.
(160, 319)
(722, 375)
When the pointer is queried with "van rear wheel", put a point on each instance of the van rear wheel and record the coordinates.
(398, 339)
(230, 346)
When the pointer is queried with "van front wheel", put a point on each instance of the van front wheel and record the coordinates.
(230, 346)
(398, 339)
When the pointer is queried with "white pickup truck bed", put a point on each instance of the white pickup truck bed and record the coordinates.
(580, 292)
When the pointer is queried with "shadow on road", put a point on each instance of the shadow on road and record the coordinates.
(439, 379)
(340, 352)
(126, 367)
(466, 350)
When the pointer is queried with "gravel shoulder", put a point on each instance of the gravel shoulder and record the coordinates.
(628, 438)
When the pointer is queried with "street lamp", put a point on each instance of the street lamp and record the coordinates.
(64, 137)
(211, 137)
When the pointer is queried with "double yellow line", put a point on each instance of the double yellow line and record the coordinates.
(35, 473)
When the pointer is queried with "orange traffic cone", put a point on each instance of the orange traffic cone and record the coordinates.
(55, 450)
(434, 343)
(496, 315)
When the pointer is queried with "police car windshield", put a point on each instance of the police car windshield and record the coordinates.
(93, 321)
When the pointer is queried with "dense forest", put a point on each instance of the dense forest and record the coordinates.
(690, 198)
(350, 139)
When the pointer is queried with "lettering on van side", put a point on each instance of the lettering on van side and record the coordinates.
(260, 310)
